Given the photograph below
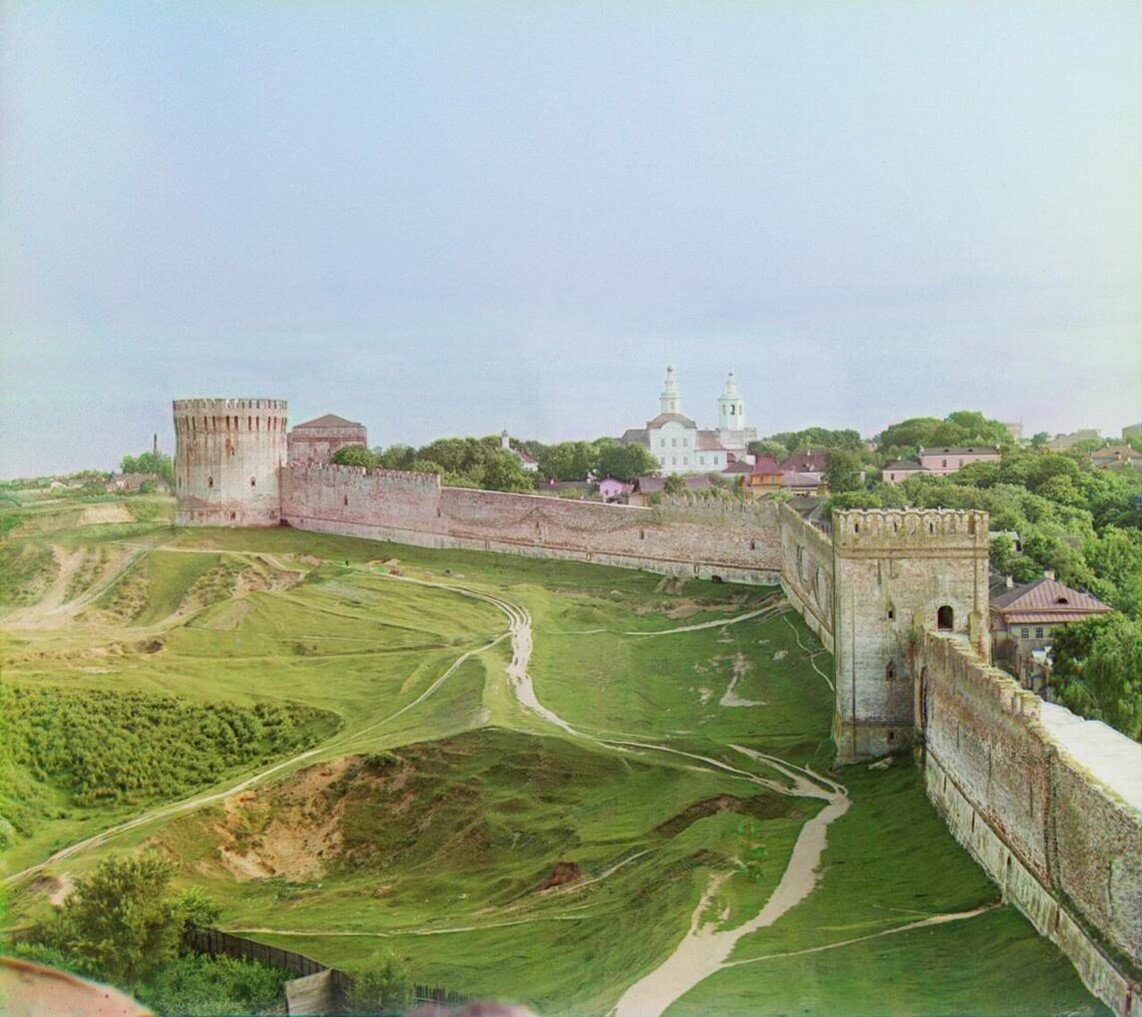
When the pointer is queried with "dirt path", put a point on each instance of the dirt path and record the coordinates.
(811, 654)
(51, 611)
(706, 948)
(771, 609)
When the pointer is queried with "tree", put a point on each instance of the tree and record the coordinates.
(385, 986)
(626, 462)
(774, 449)
(1096, 671)
(842, 471)
(674, 484)
(157, 464)
(354, 455)
(118, 924)
(502, 472)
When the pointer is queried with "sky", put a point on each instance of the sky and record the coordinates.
(452, 218)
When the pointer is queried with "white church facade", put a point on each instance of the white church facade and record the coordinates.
(680, 446)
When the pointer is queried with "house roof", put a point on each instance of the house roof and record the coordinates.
(329, 420)
(907, 464)
(635, 436)
(766, 465)
(666, 418)
(1114, 452)
(524, 455)
(809, 461)
(802, 478)
(652, 485)
(1046, 600)
(708, 441)
(738, 467)
(959, 450)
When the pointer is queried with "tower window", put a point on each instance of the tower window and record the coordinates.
(945, 619)
(890, 671)
(209, 481)
(345, 500)
(253, 482)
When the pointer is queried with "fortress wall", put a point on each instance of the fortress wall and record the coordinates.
(807, 572)
(680, 538)
(1060, 844)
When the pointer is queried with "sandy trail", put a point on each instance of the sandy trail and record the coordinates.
(51, 611)
(706, 948)
(811, 654)
(773, 609)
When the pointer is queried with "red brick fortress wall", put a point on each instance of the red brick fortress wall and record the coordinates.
(736, 541)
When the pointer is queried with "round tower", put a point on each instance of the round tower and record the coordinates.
(731, 407)
(228, 459)
(670, 401)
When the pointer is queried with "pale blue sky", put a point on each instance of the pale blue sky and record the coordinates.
(451, 218)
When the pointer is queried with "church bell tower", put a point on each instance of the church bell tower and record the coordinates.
(670, 401)
(731, 407)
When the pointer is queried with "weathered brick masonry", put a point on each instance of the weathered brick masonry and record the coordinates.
(736, 541)
(1062, 847)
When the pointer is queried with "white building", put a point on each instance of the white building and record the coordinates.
(526, 460)
(680, 446)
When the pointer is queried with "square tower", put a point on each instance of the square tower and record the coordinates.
(896, 571)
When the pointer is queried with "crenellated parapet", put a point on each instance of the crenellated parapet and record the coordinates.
(896, 532)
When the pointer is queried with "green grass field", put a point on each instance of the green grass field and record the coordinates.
(425, 805)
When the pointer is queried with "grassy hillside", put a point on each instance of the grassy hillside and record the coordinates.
(551, 850)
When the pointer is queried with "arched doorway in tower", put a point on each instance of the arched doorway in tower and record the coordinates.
(945, 618)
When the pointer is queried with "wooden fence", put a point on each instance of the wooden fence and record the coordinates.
(215, 942)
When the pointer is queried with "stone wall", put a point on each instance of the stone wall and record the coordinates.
(898, 571)
(737, 543)
(807, 573)
(228, 454)
(1060, 844)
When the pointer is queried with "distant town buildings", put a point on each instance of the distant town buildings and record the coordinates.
(680, 446)
(319, 438)
(1116, 457)
(1062, 442)
(1014, 428)
(1132, 431)
(940, 462)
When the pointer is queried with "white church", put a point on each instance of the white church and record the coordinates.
(680, 446)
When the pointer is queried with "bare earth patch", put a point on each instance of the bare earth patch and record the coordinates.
(95, 514)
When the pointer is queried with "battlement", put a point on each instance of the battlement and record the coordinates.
(317, 469)
(222, 405)
(883, 531)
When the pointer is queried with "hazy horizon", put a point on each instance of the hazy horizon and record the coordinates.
(444, 219)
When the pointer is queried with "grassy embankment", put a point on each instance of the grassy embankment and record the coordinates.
(436, 834)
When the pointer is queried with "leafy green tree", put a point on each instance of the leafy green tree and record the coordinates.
(502, 472)
(818, 437)
(675, 484)
(626, 462)
(158, 464)
(842, 470)
(1040, 439)
(384, 986)
(768, 447)
(118, 924)
(1097, 671)
(395, 457)
(568, 460)
(355, 455)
